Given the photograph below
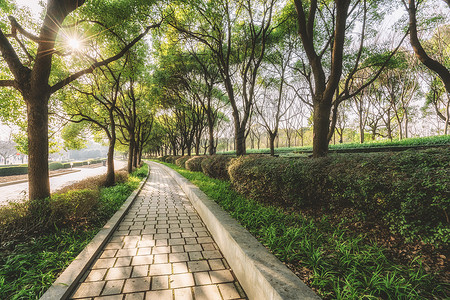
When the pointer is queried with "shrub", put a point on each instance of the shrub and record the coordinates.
(181, 162)
(172, 159)
(73, 208)
(195, 163)
(409, 190)
(14, 170)
(163, 158)
(55, 166)
(216, 166)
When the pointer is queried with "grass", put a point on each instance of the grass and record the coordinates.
(420, 141)
(336, 263)
(29, 267)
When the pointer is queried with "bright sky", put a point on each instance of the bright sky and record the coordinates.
(32, 4)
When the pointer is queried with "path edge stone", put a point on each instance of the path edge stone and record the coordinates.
(260, 273)
(64, 285)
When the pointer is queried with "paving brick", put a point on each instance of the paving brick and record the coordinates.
(142, 260)
(113, 287)
(207, 292)
(191, 241)
(89, 289)
(183, 294)
(108, 253)
(112, 297)
(103, 263)
(176, 249)
(198, 266)
(113, 246)
(202, 278)
(137, 285)
(159, 295)
(135, 296)
(181, 280)
(126, 252)
(178, 257)
(212, 254)
(161, 243)
(96, 275)
(195, 256)
(146, 243)
(118, 273)
(205, 240)
(144, 251)
(174, 242)
(160, 283)
(216, 264)
(196, 247)
(221, 276)
(160, 269)
(140, 271)
(123, 261)
(161, 250)
(208, 247)
(229, 291)
(179, 268)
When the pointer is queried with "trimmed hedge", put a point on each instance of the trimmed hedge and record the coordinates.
(23, 169)
(55, 166)
(182, 161)
(172, 159)
(195, 163)
(409, 190)
(216, 166)
(14, 170)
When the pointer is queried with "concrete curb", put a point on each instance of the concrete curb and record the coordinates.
(260, 273)
(26, 180)
(68, 280)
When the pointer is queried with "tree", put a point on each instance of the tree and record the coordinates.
(327, 51)
(238, 48)
(103, 89)
(7, 150)
(35, 87)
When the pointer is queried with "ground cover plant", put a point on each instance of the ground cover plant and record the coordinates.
(40, 239)
(334, 255)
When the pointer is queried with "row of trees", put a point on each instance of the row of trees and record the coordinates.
(288, 62)
(208, 65)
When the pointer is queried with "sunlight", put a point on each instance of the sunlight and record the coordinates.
(74, 44)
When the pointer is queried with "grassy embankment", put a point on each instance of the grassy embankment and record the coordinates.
(337, 261)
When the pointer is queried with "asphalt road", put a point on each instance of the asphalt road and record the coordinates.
(18, 192)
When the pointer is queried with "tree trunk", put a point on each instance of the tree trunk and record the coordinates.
(272, 136)
(38, 177)
(240, 140)
(110, 176)
(130, 154)
(321, 128)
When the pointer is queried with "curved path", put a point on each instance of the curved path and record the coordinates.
(161, 250)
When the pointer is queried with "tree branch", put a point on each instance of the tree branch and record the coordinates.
(16, 27)
(8, 83)
(9, 54)
(95, 65)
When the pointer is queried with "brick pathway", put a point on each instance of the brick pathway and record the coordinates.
(161, 250)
